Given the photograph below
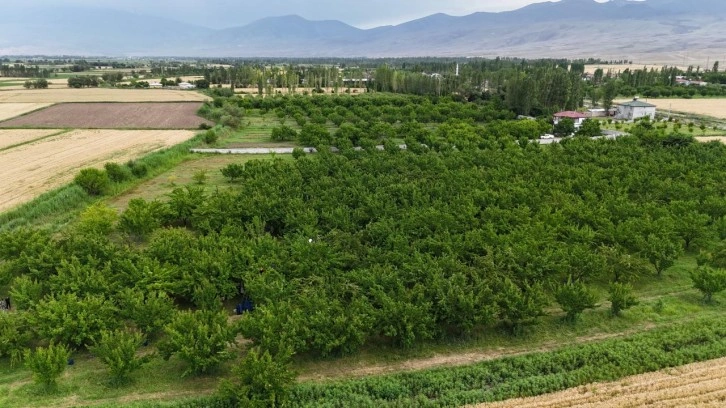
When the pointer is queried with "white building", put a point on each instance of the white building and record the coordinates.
(634, 110)
(186, 85)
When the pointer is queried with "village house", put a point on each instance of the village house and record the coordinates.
(577, 117)
(635, 109)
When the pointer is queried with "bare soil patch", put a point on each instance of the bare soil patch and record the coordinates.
(99, 95)
(694, 385)
(11, 137)
(29, 170)
(11, 110)
(174, 115)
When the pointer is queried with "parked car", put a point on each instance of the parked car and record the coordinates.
(547, 136)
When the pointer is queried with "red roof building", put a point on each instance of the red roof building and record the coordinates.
(577, 117)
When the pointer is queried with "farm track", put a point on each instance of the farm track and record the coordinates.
(31, 169)
(163, 115)
(695, 385)
(325, 372)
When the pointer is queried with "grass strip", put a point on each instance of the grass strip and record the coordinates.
(513, 377)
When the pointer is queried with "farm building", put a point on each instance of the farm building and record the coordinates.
(186, 85)
(577, 117)
(635, 109)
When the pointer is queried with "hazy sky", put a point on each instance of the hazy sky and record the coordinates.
(228, 13)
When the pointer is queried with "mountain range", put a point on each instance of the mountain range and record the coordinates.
(652, 30)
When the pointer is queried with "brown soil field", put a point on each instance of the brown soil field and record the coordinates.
(11, 110)
(10, 137)
(169, 115)
(99, 95)
(29, 170)
(694, 385)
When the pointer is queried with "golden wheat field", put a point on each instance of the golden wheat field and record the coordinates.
(696, 385)
(714, 107)
(99, 95)
(11, 110)
(12, 137)
(29, 170)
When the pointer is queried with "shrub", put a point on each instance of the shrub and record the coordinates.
(73, 320)
(199, 338)
(283, 133)
(93, 181)
(14, 335)
(117, 173)
(298, 152)
(142, 217)
(117, 349)
(260, 380)
(210, 137)
(709, 281)
(233, 171)
(574, 298)
(200, 176)
(139, 170)
(621, 298)
(47, 364)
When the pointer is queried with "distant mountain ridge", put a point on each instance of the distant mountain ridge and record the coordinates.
(619, 29)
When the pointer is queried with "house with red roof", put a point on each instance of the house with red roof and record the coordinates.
(577, 117)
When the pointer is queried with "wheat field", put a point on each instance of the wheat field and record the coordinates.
(31, 169)
(12, 137)
(99, 95)
(11, 110)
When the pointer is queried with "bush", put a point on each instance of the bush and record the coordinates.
(199, 338)
(709, 281)
(200, 176)
(14, 335)
(139, 170)
(210, 137)
(117, 173)
(47, 364)
(259, 381)
(298, 152)
(117, 349)
(283, 134)
(574, 298)
(142, 217)
(621, 298)
(93, 181)
(73, 320)
(233, 171)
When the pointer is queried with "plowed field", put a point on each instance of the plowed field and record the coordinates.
(11, 110)
(11, 137)
(32, 169)
(694, 385)
(99, 95)
(176, 115)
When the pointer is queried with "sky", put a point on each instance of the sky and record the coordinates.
(232, 13)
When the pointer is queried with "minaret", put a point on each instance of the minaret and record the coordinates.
(457, 69)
